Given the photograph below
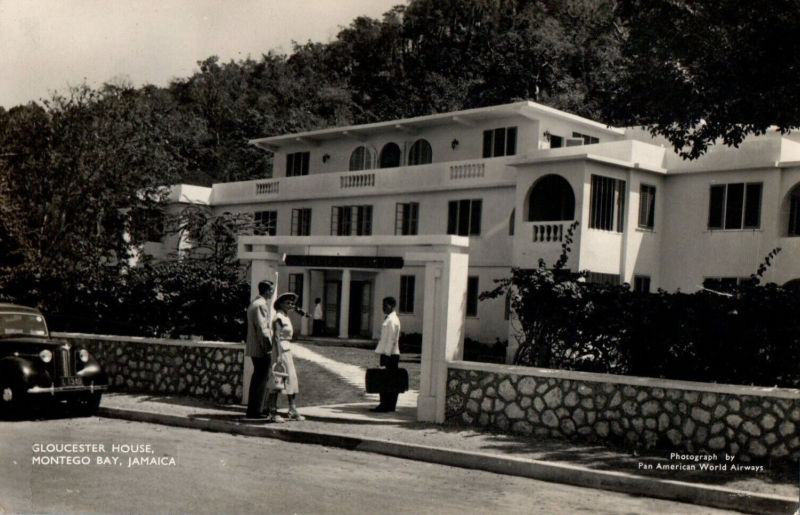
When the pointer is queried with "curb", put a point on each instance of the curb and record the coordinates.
(704, 495)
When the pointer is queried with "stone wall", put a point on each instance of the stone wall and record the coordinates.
(749, 422)
(210, 370)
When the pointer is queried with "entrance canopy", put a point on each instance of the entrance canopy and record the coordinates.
(445, 260)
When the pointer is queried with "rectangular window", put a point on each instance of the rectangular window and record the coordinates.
(406, 218)
(296, 286)
(556, 141)
(349, 220)
(363, 220)
(607, 209)
(297, 164)
(587, 140)
(600, 278)
(301, 222)
(641, 283)
(472, 296)
(500, 142)
(407, 284)
(464, 217)
(735, 206)
(341, 217)
(266, 223)
(723, 284)
(647, 206)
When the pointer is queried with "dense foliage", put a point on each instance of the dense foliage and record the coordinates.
(749, 334)
(700, 72)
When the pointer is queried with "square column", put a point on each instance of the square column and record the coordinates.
(442, 328)
(344, 305)
(260, 269)
(304, 321)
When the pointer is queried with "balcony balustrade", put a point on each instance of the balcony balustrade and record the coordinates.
(548, 232)
(408, 179)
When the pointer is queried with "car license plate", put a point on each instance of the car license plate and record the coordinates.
(71, 381)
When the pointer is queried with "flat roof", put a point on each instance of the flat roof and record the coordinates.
(527, 109)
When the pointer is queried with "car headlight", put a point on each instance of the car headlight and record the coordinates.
(83, 355)
(46, 356)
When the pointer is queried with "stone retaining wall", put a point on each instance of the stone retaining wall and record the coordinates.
(210, 370)
(749, 422)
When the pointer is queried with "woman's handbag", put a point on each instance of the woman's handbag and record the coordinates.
(278, 378)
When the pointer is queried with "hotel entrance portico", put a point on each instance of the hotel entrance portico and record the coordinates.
(351, 274)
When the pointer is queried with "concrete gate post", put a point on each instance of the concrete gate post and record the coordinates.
(442, 327)
(263, 265)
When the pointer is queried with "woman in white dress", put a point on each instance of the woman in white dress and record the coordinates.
(282, 357)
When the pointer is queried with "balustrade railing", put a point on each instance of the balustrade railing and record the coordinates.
(267, 188)
(548, 231)
(362, 180)
(467, 171)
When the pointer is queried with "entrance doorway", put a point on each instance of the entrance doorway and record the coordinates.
(360, 308)
(331, 300)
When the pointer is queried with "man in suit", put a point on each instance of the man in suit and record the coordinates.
(259, 346)
(389, 350)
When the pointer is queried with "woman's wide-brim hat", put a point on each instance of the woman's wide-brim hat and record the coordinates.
(283, 297)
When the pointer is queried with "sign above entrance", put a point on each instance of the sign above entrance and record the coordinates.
(344, 261)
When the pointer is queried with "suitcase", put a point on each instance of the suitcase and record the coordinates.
(386, 380)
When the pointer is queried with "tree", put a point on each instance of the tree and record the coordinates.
(203, 291)
(77, 169)
(698, 72)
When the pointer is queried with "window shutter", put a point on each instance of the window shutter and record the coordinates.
(452, 217)
(487, 143)
(475, 217)
(511, 141)
(752, 213)
(734, 206)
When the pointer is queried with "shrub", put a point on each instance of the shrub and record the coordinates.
(749, 335)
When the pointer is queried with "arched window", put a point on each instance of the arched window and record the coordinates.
(390, 156)
(551, 199)
(420, 153)
(794, 212)
(794, 284)
(511, 222)
(361, 158)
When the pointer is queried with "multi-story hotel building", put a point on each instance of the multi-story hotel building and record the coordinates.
(511, 179)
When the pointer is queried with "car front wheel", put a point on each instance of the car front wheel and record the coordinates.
(86, 404)
(11, 398)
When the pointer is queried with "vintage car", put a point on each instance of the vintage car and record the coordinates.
(34, 367)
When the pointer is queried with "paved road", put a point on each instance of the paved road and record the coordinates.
(219, 473)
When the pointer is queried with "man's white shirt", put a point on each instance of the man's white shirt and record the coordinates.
(390, 335)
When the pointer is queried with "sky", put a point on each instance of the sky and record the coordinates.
(49, 45)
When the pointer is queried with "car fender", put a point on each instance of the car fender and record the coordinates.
(19, 369)
(93, 371)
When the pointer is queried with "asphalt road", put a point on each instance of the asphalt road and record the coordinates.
(161, 470)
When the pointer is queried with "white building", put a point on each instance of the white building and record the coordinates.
(512, 178)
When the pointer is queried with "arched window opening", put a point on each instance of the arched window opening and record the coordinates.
(794, 212)
(420, 153)
(511, 222)
(361, 159)
(390, 156)
(551, 199)
(794, 284)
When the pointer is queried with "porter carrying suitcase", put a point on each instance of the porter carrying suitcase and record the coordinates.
(386, 380)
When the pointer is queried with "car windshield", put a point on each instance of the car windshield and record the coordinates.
(29, 324)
